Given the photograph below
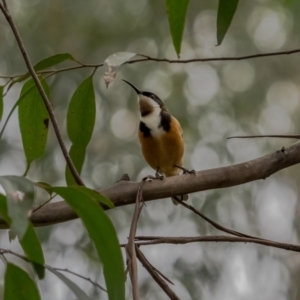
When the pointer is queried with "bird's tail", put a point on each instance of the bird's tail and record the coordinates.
(180, 197)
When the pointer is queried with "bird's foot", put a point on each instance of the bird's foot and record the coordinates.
(151, 177)
(186, 171)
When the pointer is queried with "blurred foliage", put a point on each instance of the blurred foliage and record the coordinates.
(211, 100)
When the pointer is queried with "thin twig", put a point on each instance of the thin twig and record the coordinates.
(172, 61)
(154, 240)
(130, 247)
(44, 203)
(146, 264)
(80, 276)
(293, 136)
(215, 224)
(7, 251)
(42, 93)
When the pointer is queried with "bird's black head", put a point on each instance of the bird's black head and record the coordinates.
(146, 95)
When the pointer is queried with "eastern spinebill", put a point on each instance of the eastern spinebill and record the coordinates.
(160, 136)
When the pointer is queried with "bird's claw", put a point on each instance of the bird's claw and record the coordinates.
(186, 171)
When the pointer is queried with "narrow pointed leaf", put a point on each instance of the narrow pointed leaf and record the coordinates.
(52, 61)
(77, 154)
(176, 10)
(19, 285)
(95, 195)
(1, 101)
(47, 63)
(103, 234)
(20, 195)
(30, 242)
(81, 295)
(33, 119)
(226, 11)
(80, 124)
(23, 94)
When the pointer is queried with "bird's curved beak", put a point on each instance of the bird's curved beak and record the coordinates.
(134, 87)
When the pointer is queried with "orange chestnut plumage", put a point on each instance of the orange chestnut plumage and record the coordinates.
(160, 136)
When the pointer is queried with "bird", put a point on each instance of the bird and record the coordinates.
(161, 137)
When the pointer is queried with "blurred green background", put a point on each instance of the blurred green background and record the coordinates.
(211, 100)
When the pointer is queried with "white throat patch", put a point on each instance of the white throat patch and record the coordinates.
(152, 121)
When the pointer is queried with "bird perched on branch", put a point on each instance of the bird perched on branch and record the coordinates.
(160, 136)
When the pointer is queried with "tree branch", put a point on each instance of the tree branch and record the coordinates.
(124, 192)
(154, 240)
(42, 93)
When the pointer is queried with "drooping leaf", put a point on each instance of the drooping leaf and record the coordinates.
(33, 250)
(80, 124)
(176, 10)
(47, 63)
(103, 234)
(22, 96)
(77, 154)
(113, 62)
(19, 285)
(1, 101)
(95, 195)
(20, 195)
(33, 119)
(44, 185)
(226, 11)
(81, 295)
(52, 61)
(30, 242)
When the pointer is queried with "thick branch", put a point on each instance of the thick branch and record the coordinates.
(124, 192)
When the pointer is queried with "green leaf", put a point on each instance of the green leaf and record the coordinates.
(95, 195)
(103, 234)
(20, 195)
(82, 113)
(226, 11)
(52, 61)
(33, 119)
(77, 154)
(1, 101)
(176, 10)
(44, 185)
(22, 96)
(33, 250)
(81, 295)
(80, 124)
(30, 242)
(47, 63)
(19, 285)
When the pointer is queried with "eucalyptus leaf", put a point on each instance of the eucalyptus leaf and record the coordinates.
(30, 242)
(103, 234)
(80, 294)
(226, 11)
(80, 124)
(18, 285)
(33, 120)
(20, 195)
(176, 10)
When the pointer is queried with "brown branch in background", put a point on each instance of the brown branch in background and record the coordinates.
(155, 240)
(156, 276)
(83, 277)
(124, 192)
(130, 247)
(42, 93)
(284, 136)
(7, 251)
(215, 224)
(172, 61)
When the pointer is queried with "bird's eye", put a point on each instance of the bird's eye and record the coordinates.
(152, 97)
